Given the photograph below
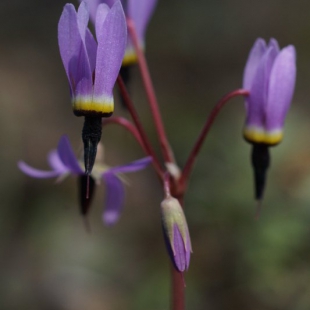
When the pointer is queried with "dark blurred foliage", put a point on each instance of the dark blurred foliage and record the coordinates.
(196, 51)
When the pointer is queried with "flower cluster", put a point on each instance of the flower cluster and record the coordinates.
(92, 67)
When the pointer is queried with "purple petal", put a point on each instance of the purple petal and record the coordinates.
(111, 48)
(91, 46)
(281, 88)
(133, 166)
(82, 19)
(56, 163)
(140, 12)
(92, 7)
(67, 156)
(114, 199)
(257, 100)
(274, 43)
(35, 173)
(102, 12)
(253, 61)
(181, 256)
(72, 49)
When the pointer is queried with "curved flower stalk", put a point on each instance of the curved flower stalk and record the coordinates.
(92, 67)
(269, 76)
(139, 11)
(63, 162)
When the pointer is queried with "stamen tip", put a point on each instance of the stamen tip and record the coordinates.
(258, 209)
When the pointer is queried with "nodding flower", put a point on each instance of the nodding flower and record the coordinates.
(140, 12)
(269, 76)
(92, 67)
(63, 163)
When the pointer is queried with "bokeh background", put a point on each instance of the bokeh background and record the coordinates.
(196, 52)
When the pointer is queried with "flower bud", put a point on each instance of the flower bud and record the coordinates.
(176, 233)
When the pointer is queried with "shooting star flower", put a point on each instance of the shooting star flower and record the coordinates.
(91, 67)
(63, 163)
(269, 76)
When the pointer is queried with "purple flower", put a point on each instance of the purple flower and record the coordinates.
(63, 163)
(91, 67)
(269, 76)
(140, 11)
(176, 233)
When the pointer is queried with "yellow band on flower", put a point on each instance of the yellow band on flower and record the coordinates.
(258, 135)
(130, 58)
(90, 107)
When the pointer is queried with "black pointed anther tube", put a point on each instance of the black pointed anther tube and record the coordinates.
(260, 163)
(91, 136)
(86, 186)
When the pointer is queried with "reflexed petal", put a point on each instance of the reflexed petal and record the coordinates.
(140, 12)
(253, 61)
(257, 100)
(93, 5)
(133, 166)
(69, 40)
(111, 47)
(72, 49)
(114, 198)
(35, 173)
(91, 46)
(67, 156)
(56, 163)
(274, 43)
(102, 12)
(281, 87)
(82, 19)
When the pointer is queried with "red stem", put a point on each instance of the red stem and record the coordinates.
(205, 130)
(139, 126)
(148, 85)
(178, 290)
(167, 184)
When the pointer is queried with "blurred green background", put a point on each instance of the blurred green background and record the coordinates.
(196, 51)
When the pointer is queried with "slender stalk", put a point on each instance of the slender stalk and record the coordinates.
(167, 184)
(139, 126)
(148, 85)
(134, 131)
(178, 290)
(205, 130)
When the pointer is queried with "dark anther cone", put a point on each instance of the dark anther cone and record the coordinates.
(125, 74)
(260, 163)
(86, 192)
(91, 136)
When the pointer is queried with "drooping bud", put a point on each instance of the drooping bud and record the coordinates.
(176, 233)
